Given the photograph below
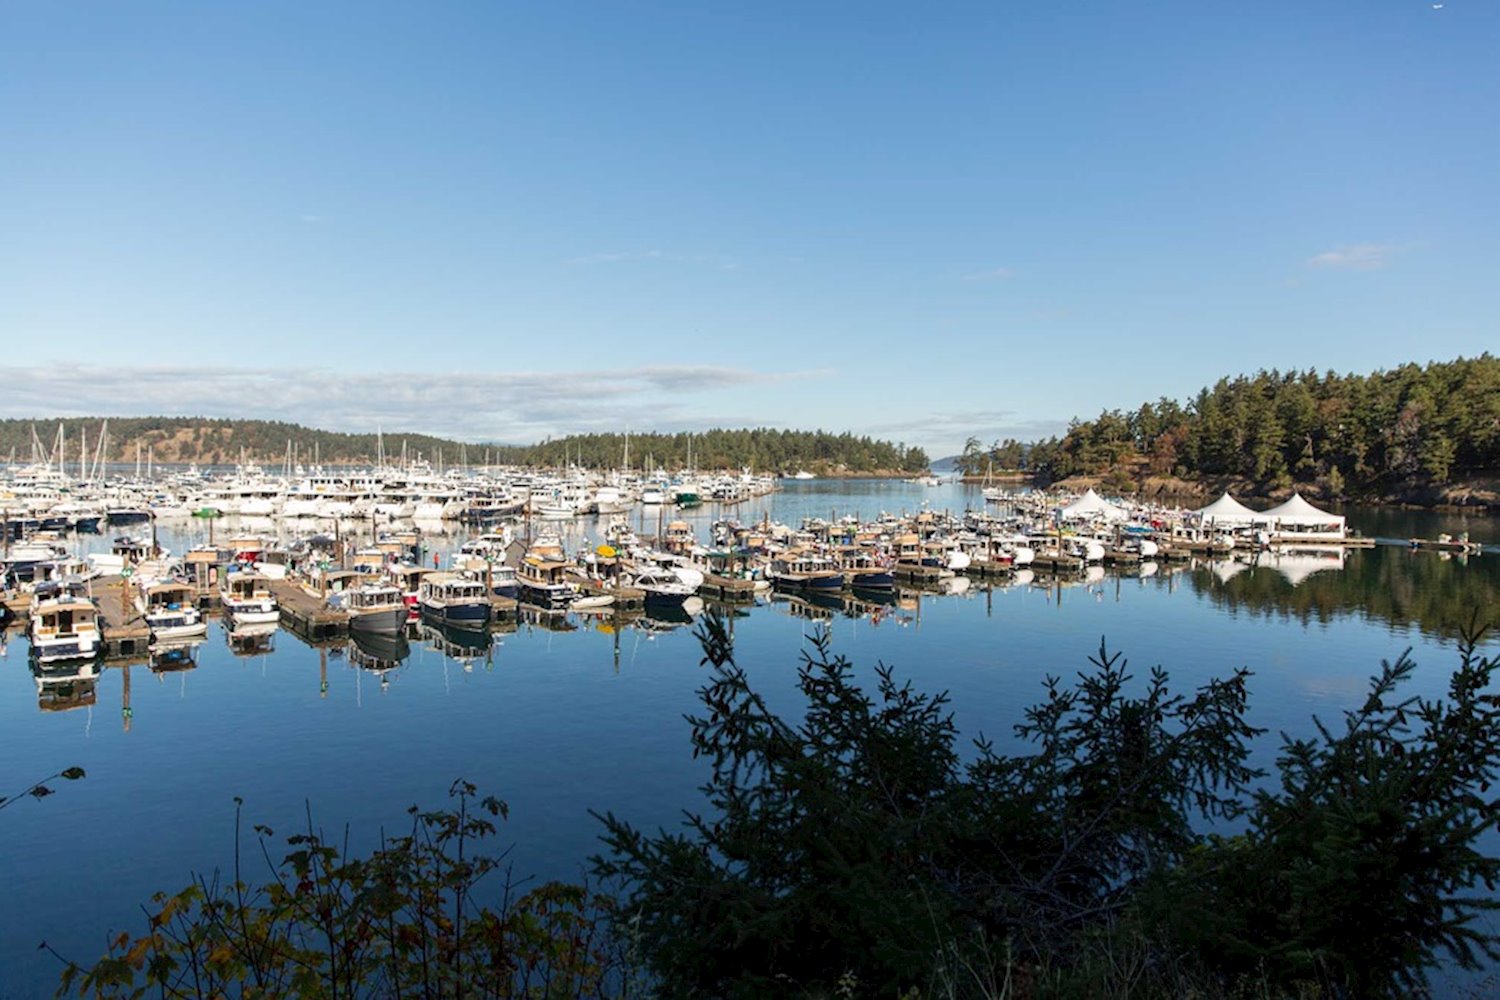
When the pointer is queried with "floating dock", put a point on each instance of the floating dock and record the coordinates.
(910, 572)
(306, 614)
(986, 569)
(124, 630)
(728, 589)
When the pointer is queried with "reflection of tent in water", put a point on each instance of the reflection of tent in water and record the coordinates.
(1297, 566)
(1228, 569)
(1091, 506)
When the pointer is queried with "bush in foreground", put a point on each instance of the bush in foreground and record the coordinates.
(856, 853)
(855, 847)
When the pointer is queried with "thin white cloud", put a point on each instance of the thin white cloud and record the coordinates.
(993, 274)
(654, 255)
(495, 406)
(1355, 257)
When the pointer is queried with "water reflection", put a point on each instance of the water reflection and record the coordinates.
(251, 640)
(173, 657)
(62, 687)
(378, 653)
(1395, 585)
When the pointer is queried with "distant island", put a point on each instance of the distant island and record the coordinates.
(1420, 434)
(217, 441)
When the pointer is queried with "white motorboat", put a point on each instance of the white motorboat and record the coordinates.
(65, 627)
(248, 600)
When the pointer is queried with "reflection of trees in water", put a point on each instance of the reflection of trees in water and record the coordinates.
(1402, 588)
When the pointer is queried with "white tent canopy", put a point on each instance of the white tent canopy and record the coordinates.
(1092, 506)
(1298, 513)
(1228, 510)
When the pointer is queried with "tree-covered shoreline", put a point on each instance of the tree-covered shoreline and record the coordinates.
(1410, 433)
(216, 441)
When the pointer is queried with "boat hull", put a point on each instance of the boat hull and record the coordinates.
(832, 581)
(381, 621)
(470, 616)
(60, 651)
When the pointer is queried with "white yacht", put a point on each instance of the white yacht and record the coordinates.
(65, 627)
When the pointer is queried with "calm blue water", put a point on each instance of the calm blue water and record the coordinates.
(558, 723)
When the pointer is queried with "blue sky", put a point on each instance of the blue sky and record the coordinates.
(502, 221)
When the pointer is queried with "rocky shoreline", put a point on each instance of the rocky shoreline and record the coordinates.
(1471, 494)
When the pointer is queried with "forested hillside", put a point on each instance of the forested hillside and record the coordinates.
(213, 441)
(763, 449)
(1356, 434)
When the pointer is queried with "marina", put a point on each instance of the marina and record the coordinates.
(557, 707)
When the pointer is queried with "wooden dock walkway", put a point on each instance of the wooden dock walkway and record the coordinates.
(910, 572)
(124, 630)
(306, 614)
(626, 598)
(728, 589)
(987, 569)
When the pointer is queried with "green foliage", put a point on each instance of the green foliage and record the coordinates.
(199, 439)
(1363, 866)
(406, 921)
(763, 449)
(1412, 424)
(855, 846)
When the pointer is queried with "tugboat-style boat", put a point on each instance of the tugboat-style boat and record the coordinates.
(542, 575)
(862, 572)
(450, 599)
(804, 571)
(64, 626)
(248, 600)
(171, 613)
(374, 607)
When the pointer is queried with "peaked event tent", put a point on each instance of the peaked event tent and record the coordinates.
(1298, 513)
(1092, 505)
(1228, 510)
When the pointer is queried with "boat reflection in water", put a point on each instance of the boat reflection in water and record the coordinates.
(174, 657)
(461, 645)
(257, 639)
(667, 617)
(62, 687)
(378, 653)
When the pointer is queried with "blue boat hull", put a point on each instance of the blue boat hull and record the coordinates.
(474, 616)
(873, 581)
